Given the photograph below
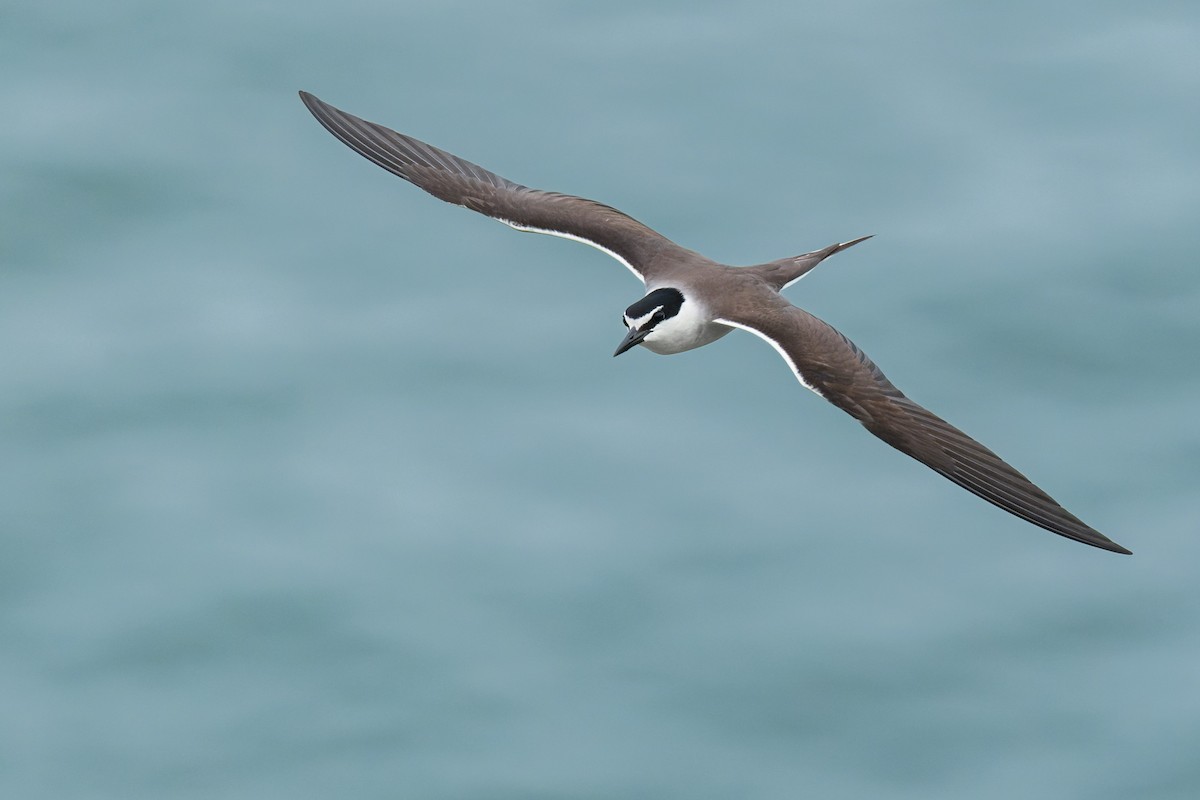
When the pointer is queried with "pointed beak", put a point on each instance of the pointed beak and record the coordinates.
(633, 338)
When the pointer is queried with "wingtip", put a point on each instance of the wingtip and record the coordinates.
(853, 242)
(1097, 539)
(1101, 542)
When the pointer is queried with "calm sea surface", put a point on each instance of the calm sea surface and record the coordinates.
(315, 487)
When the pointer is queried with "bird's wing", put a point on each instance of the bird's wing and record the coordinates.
(456, 180)
(783, 273)
(831, 365)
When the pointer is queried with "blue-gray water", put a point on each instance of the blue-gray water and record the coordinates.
(313, 486)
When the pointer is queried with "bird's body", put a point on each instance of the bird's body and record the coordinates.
(691, 301)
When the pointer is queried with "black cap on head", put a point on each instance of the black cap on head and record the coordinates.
(669, 299)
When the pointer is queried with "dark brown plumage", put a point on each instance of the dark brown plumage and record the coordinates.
(720, 298)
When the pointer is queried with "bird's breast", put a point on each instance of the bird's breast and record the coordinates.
(676, 338)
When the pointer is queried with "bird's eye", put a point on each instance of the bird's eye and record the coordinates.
(659, 316)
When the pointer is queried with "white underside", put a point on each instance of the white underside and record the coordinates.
(573, 238)
(676, 335)
(778, 349)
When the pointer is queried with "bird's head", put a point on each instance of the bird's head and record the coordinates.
(650, 318)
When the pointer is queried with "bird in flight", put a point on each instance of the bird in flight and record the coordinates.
(691, 301)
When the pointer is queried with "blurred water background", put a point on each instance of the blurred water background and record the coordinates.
(316, 487)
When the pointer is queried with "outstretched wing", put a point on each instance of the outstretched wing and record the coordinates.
(831, 365)
(456, 180)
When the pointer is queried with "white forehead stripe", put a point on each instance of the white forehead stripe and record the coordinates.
(642, 320)
(573, 238)
(778, 349)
